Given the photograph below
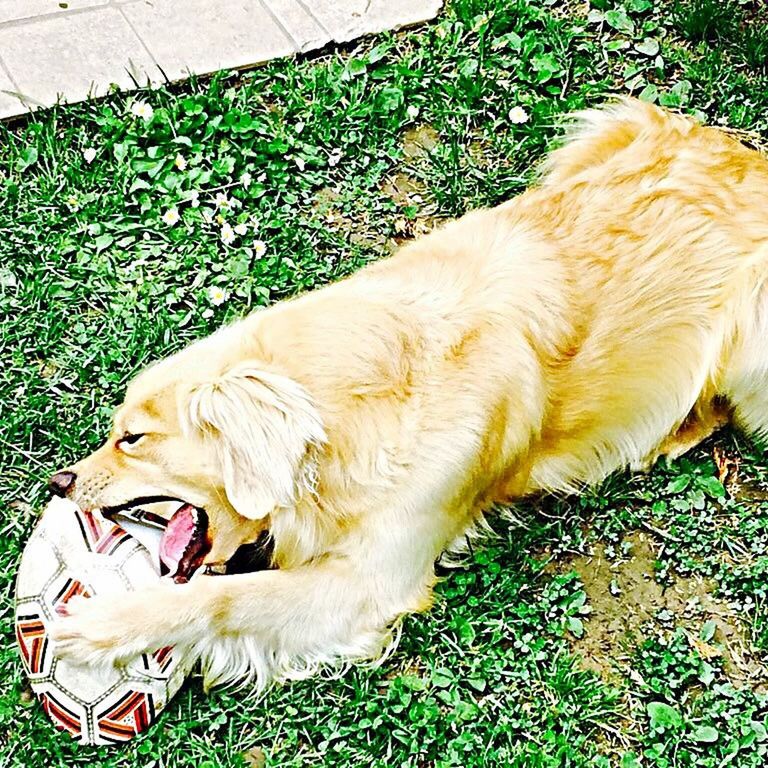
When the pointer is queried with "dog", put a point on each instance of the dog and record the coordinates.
(614, 313)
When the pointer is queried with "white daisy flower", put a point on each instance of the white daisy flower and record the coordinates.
(246, 180)
(72, 203)
(222, 201)
(227, 234)
(89, 155)
(518, 115)
(143, 110)
(217, 295)
(412, 111)
(259, 248)
(180, 162)
(241, 229)
(171, 217)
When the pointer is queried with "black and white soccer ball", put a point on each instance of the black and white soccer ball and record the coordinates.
(74, 552)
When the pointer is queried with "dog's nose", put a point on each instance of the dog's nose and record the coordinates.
(62, 483)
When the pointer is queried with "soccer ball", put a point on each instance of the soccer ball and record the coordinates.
(75, 552)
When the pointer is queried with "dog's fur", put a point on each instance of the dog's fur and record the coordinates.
(615, 312)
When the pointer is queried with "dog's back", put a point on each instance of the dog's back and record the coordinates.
(663, 226)
(618, 298)
(564, 334)
(603, 306)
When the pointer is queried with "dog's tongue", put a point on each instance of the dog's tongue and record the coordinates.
(184, 544)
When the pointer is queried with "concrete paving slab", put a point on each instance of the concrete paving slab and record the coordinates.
(302, 27)
(201, 36)
(74, 56)
(17, 10)
(73, 49)
(353, 18)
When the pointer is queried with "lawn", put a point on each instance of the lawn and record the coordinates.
(627, 627)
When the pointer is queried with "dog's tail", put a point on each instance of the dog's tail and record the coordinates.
(595, 136)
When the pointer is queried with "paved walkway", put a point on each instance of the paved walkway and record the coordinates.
(68, 50)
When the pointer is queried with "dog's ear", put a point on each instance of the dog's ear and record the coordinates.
(265, 429)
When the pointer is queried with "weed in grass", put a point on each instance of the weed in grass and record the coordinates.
(694, 715)
(704, 20)
(753, 46)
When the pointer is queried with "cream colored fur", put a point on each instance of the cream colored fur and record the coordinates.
(616, 311)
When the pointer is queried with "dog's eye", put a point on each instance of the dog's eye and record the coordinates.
(130, 439)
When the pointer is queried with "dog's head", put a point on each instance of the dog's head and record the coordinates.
(240, 444)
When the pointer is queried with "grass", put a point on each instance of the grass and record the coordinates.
(535, 654)
(704, 20)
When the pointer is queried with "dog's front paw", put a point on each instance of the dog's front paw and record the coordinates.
(100, 631)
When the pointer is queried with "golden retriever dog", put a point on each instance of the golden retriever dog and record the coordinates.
(615, 312)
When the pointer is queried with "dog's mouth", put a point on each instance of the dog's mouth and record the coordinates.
(185, 543)
(185, 540)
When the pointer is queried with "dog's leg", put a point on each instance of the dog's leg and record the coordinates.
(746, 377)
(317, 612)
(337, 607)
(703, 420)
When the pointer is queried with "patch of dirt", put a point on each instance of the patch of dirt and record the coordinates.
(408, 666)
(414, 217)
(47, 368)
(255, 757)
(728, 463)
(408, 192)
(570, 10)
(625, 599)
(327, 206)
(325, 199)
(419, 141)
(403, 189)
(25, 509)
(482, 153)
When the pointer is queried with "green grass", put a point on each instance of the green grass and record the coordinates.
(526, 659)
(704, 20)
